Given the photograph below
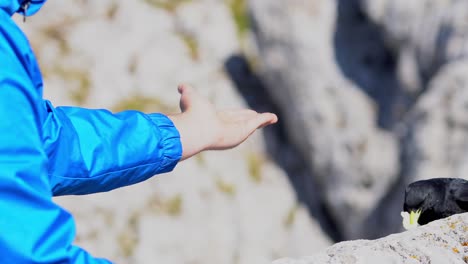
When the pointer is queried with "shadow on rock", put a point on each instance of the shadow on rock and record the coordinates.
(278, 146)
(363, 57)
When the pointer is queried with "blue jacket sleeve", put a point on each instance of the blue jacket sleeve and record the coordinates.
(33, 229)
(94, 150)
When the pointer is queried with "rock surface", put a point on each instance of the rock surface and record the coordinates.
(373, 96)
(428, 39)
(437, 126)
(329, 119)
(431, 52)
(442, 241)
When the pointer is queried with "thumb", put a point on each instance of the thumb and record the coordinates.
(186, 93)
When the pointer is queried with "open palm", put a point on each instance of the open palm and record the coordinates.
(202, 127)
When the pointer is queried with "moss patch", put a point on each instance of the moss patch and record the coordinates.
(200, 159)
(241, 18)
(78, 80)
(174, 205)
(226, 188)
(255, 163)
(191, 44)
(127, 243)
(128, 239)
(57, 33)
(290, 217)
(168, 5)
(112, 10)
(171, 206)
(142, 103)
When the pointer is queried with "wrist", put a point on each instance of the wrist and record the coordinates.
(193, 138)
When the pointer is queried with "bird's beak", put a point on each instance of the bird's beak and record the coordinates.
(414, 216)
(410, 220)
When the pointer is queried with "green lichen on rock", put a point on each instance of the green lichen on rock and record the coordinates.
(200, 159)
(168, 5)
(192, 45)
(112, 10)
(225, 187)
(290, 217)
(78, 82)
(240, 15)
(128, 239)
(171, 206)
(142, 103)
(127, 242)
(255, 163)
(56, 33)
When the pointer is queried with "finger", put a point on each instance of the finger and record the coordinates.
(269, 119)
(237, 115)
(247, 113)
(262, 120)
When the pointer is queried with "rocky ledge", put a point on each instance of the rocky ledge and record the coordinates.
(443, 241)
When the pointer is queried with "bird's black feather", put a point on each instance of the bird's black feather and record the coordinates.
(461, 196)
(437, 198)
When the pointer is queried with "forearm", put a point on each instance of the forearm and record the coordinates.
(105, 151)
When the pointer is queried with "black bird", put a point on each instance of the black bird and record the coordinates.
(433, 199)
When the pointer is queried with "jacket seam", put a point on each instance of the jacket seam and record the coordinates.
(110, 172)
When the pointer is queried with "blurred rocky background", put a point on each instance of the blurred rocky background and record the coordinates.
(371, 95)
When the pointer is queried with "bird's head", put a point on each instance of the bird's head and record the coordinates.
(421, 197)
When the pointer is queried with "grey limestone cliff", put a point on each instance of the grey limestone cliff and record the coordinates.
(443, 241)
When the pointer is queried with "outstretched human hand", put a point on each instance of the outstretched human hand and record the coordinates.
(202, 127)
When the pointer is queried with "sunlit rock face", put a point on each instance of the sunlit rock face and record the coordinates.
(373, 95)
(329, 118)
(442, 241)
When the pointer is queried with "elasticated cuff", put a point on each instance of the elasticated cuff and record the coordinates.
(170, 141)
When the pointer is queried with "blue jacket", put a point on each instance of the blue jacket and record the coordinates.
(47, 151)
